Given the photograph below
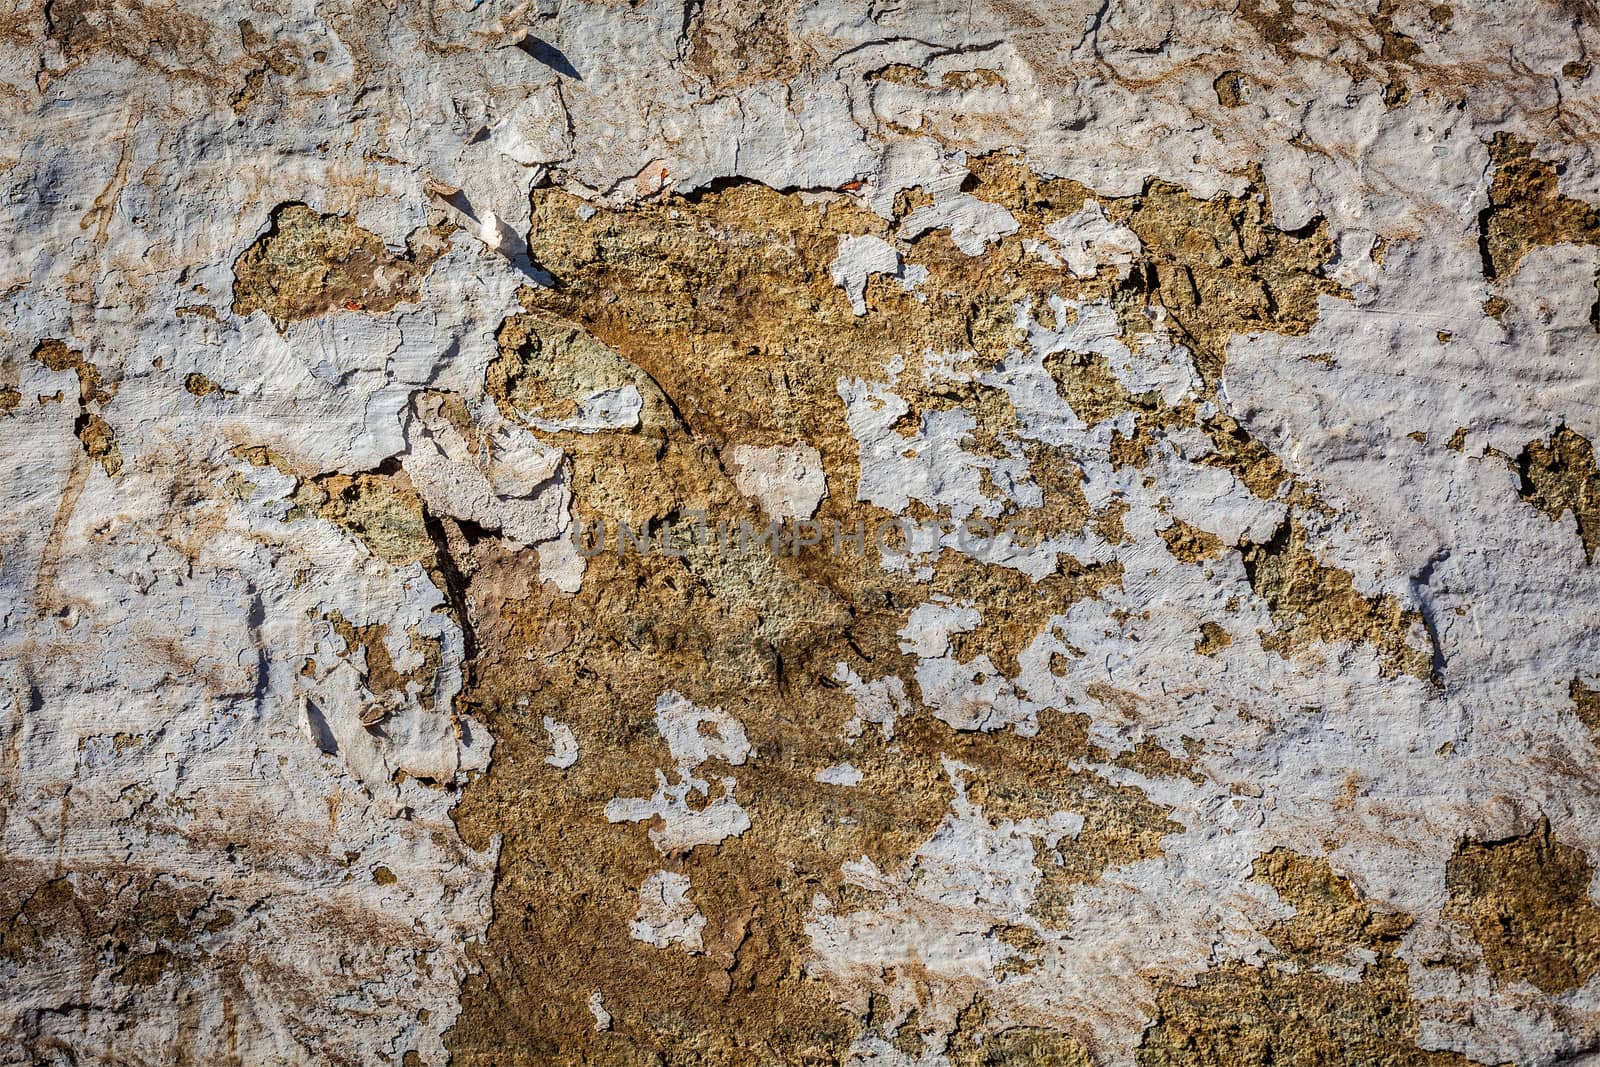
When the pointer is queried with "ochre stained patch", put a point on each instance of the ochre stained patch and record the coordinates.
(1190, 544)
(1330, 918)
(1526, 902)
(1221, 268)
(57, 355)
(1586, 704)
(1230, 86)
(1213, 639)
(719, 307)
(1527, 208)
(94, 432)
(976, 1043)
(1312, 601)
(734, 42)
(380, 675)
(1561, 476)
(1215, 267)
(100, 442)
(1275, 22)
(151, 936)
(1256, 465)
(309, 264)
(197, 384)
(380, 508)
(1092, 388)
(1288, 1013)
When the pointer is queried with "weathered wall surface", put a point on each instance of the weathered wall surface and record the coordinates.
(400, 665)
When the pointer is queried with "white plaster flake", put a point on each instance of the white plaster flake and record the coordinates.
(563, 744)
(1089, 240)
(597, 1008)
(607, 409)
(877, 703)
(683, 827)
(973, 224)
(786, 480)
(666, 917)
(839, 774)
(859, 259)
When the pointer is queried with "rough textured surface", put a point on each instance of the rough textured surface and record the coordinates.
(1518, 897)
(728, 533)
(308, 264)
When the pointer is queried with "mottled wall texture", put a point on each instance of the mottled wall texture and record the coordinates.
(907, 533)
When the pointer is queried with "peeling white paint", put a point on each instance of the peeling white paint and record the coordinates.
(973, 224)
(786, 480)
(842, 774)
(683, 827)
(1089, 241)
(680, 722)
(859, 259)
(878, 703)
(606, 409)
(563, 744)
(667, 916)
